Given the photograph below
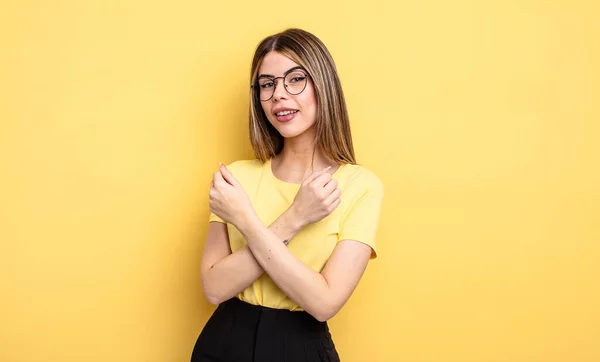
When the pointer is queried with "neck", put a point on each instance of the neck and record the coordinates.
(299, 158)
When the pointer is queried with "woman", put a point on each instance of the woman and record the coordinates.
(277, 285)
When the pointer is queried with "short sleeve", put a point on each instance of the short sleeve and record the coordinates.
(361, 221)
(214, 217)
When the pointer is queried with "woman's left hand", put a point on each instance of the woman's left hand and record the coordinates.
(228, 200)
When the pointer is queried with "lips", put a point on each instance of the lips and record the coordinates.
(285, 115)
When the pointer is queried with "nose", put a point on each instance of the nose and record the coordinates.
(279, 90)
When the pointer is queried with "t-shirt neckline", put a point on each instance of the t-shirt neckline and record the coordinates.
(291, 184)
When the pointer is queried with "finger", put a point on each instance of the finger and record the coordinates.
(314, 175)
(330, 186)
(335, 195)
(218, 179)
(334, 205)
(227, 176)
(321, 180)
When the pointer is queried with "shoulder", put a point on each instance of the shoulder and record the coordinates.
(361, 180)
(246, 170)
(245, 165)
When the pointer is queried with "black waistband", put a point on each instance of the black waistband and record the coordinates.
(300, 319)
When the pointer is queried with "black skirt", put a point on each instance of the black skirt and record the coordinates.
(242, 332)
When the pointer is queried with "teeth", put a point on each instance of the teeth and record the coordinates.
(284, 113)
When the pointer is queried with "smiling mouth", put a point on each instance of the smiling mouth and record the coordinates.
(285, 113)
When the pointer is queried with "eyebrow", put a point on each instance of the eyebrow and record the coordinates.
(284, 74)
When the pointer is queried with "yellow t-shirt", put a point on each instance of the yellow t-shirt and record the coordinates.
(356, 218)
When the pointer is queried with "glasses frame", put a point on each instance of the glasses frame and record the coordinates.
(256, 86)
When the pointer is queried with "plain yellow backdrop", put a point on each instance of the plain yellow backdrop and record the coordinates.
(481, 118)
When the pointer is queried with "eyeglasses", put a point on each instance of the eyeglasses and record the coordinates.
(294, 82)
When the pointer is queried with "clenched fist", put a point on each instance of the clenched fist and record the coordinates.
(228, 200)
(318, 197)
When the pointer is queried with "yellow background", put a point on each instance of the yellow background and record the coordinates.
(481, 118)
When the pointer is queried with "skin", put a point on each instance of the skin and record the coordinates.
(226, 274)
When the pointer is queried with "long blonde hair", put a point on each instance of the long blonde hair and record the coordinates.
(333, 136)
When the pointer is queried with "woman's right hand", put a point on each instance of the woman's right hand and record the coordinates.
(318, 197)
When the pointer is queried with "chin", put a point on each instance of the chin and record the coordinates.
(292, 130)
(289, 133)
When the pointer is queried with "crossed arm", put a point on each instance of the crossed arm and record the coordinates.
(225, 274)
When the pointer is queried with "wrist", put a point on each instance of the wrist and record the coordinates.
(293, 220)
(246, 219)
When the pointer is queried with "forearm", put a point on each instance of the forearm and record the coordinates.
(234, 273)
(308, 288)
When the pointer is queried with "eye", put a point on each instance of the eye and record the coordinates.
(266, 85)
(298, 78)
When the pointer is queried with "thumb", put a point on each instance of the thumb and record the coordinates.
(227, 175)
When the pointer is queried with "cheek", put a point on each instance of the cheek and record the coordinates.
(308, 99)
(267, 110)
(310, 106)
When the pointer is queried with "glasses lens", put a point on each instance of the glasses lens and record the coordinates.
(295, 82)
(266, 87)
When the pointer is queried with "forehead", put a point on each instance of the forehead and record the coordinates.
(276, 64)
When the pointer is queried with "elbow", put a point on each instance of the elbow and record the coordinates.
(212, 296)
(324, 316)
(210, 292)
(323, 307)
(325, 312)
(213, 299)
